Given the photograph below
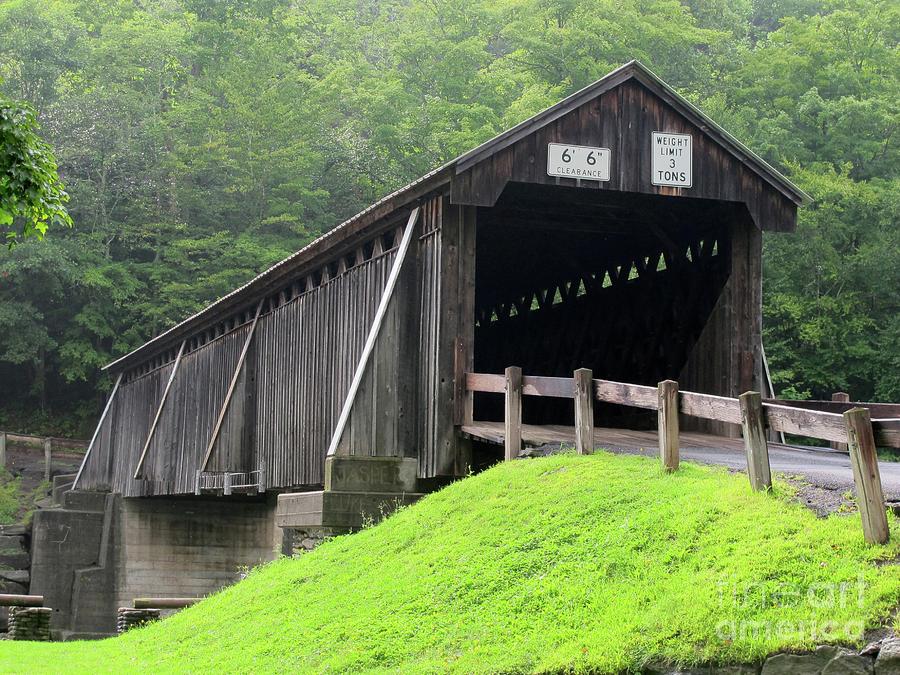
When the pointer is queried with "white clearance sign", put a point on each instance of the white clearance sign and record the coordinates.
(672, 163)
(578, 161)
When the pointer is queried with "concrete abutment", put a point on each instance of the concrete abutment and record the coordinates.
(89, 560)
(98, 551)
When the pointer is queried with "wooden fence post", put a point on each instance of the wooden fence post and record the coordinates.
(840, 397)
(2, 449)
(869, 495)
(584, 411)
(47, 457)
(513, 417)
(668, 424)
(755, 444)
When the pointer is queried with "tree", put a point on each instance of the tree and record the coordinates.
(30, 188)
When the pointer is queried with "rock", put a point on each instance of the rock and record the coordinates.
(12, 588)
(10, 543)
(871, 649)
(888, 661)
(17, 576)
(850, 663)
(800, 664)
(12, 530)
(19, 560)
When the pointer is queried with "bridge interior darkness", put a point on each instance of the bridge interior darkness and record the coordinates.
(616, 282)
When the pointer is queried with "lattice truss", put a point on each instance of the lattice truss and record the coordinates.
(632, 317)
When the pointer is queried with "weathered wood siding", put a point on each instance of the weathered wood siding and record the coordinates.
(727, 358)
(297, 373)
(623, 120)
(406, 400)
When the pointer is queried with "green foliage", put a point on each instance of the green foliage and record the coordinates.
(30, 189)
(564, 564)
(17, 504)
(202, 140)
(9, 497)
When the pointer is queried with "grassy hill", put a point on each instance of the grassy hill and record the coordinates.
(568, 563)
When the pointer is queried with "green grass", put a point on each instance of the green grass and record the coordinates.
(568, 563)
(9, 497)
(17, 504)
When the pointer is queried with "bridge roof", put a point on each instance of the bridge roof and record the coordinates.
(326, 245)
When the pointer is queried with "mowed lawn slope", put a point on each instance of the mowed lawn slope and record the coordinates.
(598, 563)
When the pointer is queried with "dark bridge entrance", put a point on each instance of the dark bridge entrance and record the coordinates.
(621, 283)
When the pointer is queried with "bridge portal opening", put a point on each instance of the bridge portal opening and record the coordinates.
(621, 283)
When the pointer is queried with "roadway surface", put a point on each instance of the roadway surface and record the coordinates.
(821, 467)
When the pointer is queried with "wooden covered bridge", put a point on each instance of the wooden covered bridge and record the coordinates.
(619, 230)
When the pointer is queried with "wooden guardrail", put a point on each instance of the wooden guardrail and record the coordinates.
(47, 444)
(853, 427)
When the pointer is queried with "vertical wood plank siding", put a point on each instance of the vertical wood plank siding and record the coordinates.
(296, 376)
(429, 377)
(623, 120)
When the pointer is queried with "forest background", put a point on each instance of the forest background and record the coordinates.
(203, 140)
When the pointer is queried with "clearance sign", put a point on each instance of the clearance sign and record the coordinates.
(578, 161)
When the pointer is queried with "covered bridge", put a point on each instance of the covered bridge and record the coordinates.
(619, 230)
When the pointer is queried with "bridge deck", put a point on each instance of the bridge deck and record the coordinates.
(613, 439)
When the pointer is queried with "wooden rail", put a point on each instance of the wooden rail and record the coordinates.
(12, 600)
(164, 603)
(47, 444)
(851, 427)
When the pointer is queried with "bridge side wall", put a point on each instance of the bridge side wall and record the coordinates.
(298, 368)
(727, 358)
(412, 386)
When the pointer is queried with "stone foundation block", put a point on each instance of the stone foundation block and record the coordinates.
(370, 474)
(29, 623)
(888, 661)
(300, 510)
(129, 617)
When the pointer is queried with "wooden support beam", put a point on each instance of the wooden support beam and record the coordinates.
(162, 402)
(839, 397)
(584, 411)
(513, 416)
(667, 419)
(863, 458)
(755, 444)
(48, 457)
(106, 408)
(374, 330)
(231, 388)
(769, 383)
